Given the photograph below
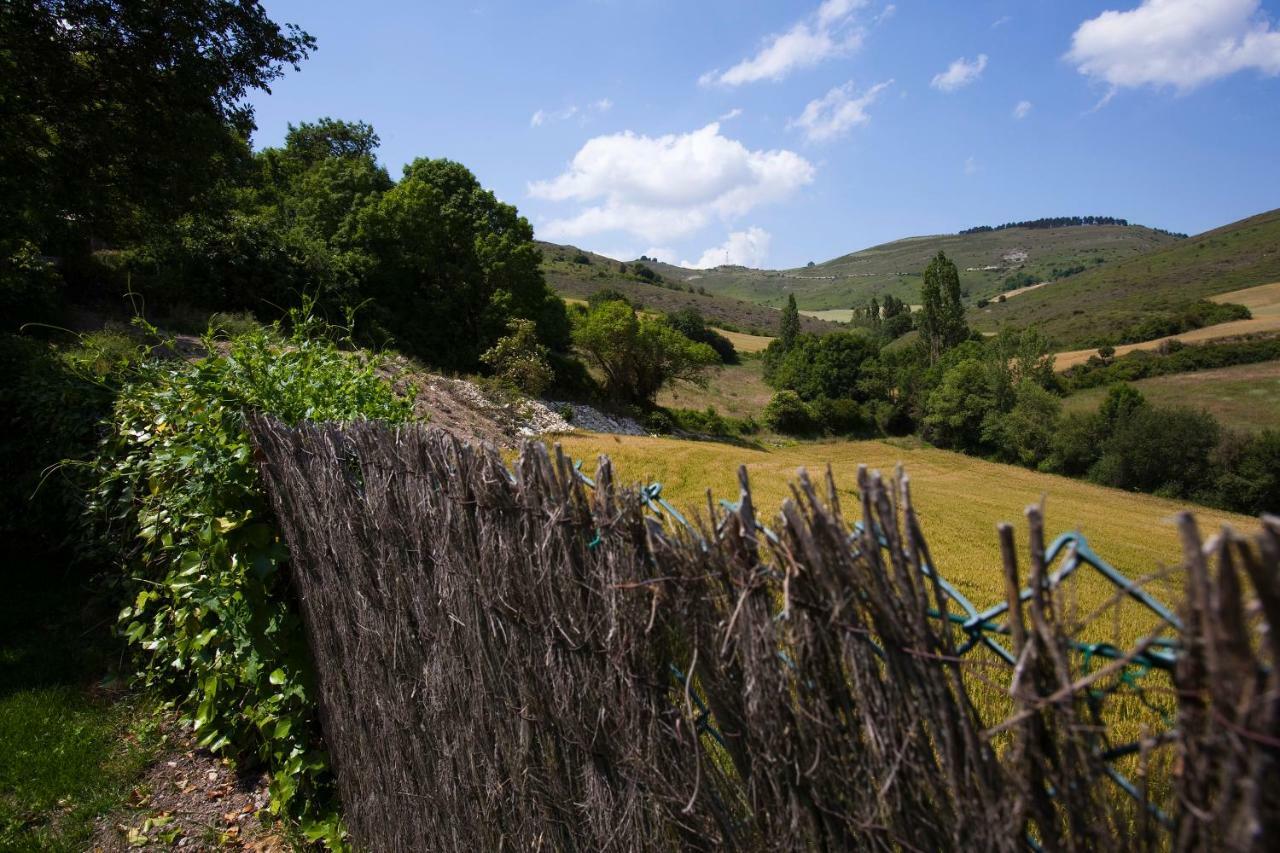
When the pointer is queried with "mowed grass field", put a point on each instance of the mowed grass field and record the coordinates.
(1245, 396)
(1262, 301)
(960, 500)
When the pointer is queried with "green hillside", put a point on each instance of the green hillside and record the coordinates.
(895, 268)
(1085, 309)
(576, 273)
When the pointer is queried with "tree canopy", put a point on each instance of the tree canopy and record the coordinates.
(638, 355)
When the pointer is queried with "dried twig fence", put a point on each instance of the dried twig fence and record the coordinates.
(518, 660)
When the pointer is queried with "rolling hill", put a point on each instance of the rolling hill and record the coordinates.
(985, 260)
(1085, 309)
(576, 274)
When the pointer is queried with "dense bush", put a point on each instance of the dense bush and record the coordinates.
(710, 422)
(820, 366)
(519, 361)
(788, 414)
(690, 323)
(209, 609)
(1197, 315)
(1141, 364)
(637, 354)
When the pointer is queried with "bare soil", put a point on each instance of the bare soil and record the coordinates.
(192, 800)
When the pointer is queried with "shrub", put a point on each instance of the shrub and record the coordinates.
(788, 414)
(519, 361)
(840, 416)
(209, 611)
(689, 322)
(30, 288)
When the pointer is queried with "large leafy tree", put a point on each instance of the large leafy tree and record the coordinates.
(824, 366)
(446, 265)
(122, 114)
(942, 323)
(638, 355)
(789, 325)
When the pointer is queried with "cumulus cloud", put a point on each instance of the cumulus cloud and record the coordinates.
(542, 117)
(961, 73)
(834, 113)
(828, 32)
(748, 248)
(666, 187)
(1022, 110)
(1179, 43)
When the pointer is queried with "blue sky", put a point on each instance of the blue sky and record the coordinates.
(773, 133)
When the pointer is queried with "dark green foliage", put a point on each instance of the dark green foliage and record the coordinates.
(826, 366)
(446, 265)
(1197, 315)
(1051, 222)
(788, 414)
(1025, 434)
(789, 326)
(641, 271)
(1018, 280)
(841, 417)
(897, 319)
(638, 355)
(959, 406)
(121, 116)
(942, 324)
(53, 400)
(690, 323)
(31, 289)
(209, 610)
(606, 294)
(710, 422)
(1249, 472)
(519, 361)
(1163, 450)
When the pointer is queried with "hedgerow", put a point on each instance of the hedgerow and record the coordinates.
(210, 614)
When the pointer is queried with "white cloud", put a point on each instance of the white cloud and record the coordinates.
(1000, 22)
(971, 166)
(886, 13)
(541, 117)
(828, 32)
(835, 112)
(748, 248)
(667, 187)
(1180, 43)
(961, 73)
(1022, 110)
(732, 114)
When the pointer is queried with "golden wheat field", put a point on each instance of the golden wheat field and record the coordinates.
(960, 499)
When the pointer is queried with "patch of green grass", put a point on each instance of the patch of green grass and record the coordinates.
(71, 748)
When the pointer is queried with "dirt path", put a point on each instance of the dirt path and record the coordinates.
(1263, 301)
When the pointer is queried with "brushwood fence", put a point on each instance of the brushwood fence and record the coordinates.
(526, 658)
